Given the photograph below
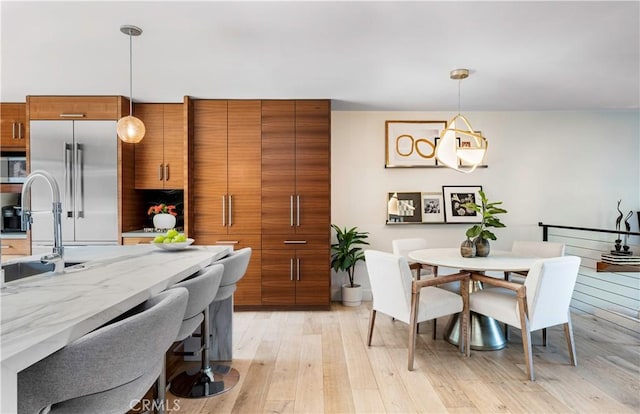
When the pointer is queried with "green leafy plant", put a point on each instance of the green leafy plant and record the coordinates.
(346, 253)
(488, 212)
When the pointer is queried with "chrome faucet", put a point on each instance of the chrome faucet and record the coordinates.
(57, 257)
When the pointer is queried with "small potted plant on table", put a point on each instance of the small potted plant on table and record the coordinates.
(345, 254)
(479, 232)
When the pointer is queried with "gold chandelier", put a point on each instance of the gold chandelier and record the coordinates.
(464, 156)
(129, 128)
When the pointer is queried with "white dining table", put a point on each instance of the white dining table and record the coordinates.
(486, 334)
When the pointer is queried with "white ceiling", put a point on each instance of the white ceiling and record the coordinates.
(363, 55)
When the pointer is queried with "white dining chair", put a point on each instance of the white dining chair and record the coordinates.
(402, 247)
(541, 249)
(542, 301)
(398, 294)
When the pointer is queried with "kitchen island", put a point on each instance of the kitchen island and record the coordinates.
(43, 313)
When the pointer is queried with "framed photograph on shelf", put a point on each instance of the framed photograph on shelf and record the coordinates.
(404, 208)
(467, 142)
(454, 197)
(432, 208)
(411, 143)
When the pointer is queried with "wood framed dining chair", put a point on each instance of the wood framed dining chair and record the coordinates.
(402, 247)
(541, 249)
(397, 294)
(542, 301)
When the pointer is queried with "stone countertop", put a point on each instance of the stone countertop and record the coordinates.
(43, 313)
(13, 235)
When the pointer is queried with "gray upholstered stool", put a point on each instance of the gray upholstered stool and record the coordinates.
(221, 309)
(203, 288)
(92, 375)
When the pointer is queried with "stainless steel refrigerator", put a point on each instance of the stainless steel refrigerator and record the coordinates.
(83, 157)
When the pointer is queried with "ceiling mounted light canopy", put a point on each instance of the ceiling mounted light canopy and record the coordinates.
(129, 128)
(461, 147)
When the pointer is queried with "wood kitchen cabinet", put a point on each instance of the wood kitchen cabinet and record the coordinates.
(15, 247)
(225, 182)
(74, 107)
(159, 157)
(13, 120)
(295, 274)
(296, 202)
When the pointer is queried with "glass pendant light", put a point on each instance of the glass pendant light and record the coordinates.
(129, 128)
(451, 151)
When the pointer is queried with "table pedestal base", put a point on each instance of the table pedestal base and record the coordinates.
(486, 332)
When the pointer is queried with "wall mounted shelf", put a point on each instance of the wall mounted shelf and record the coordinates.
(606, 267)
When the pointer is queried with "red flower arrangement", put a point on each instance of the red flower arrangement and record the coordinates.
(162, 209)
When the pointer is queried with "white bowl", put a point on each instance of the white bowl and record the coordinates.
(173, 246)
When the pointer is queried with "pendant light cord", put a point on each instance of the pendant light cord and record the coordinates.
(459, 82)
(131, 77)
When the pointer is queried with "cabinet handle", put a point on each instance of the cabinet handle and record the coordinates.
(295, 242)
(230, 209)
(298, 274)
(166, 172)
(20, 130)
(6, 246)
(298, 209)
(224, 214)
(227, 241)
(160, 172)
(291, 269)
(291, 210)
(71, 115)
(13, 130)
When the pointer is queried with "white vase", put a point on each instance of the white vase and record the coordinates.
(164, 221)
(351, 296)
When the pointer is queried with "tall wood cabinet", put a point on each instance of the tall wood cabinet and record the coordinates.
(225, 182)
(295, 202)
(259, 176)
(159, 157)
(13, 121)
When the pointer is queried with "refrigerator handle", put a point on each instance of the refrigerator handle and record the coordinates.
(79, 165)
(68, 178)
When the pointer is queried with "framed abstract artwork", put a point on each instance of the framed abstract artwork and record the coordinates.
(404, 208)
(411, 143)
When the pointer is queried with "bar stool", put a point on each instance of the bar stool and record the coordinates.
(91, 375)
(203, 288)
(221, 329)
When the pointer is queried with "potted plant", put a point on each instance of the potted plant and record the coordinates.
(479, 232)
(345, 254)
(164, 216)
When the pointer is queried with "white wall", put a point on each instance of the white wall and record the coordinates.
(565, 168)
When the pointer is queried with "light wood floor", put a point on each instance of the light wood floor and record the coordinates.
(318, 362)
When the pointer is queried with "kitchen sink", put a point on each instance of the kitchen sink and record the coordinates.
(20, 270)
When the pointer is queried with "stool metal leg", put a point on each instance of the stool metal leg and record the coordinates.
(202, 383)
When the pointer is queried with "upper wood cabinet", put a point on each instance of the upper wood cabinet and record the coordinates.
(226, 167)
(74, 107)
(159, 157)
(13, 120)
(296, 167)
